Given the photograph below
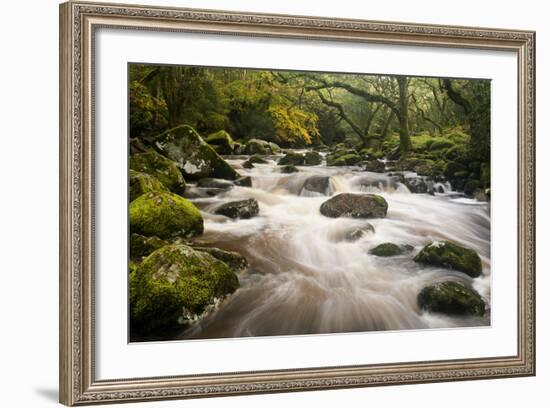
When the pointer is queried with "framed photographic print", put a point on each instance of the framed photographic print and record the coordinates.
(260, 203)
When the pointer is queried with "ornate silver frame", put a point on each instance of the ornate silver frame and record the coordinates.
(78, 21)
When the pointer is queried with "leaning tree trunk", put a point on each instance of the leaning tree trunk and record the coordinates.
(405, 144)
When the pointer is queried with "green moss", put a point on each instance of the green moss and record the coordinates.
(141, 183)
(221, 141)
(386, 249)
(194, 157)
(141, 245)
(348, 159)
(453, 167)
(451, 298)
(448, 255)
(312, 159)
(164, 215)
(175, 283)
(295, 159)
(160, 167)
(439, 144)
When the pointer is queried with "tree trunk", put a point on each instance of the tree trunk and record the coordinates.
(404, 136)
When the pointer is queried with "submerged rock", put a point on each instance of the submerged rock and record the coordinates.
(358, 233)
(355, 206)
(164, 215)
(451, 298)
(416, 185)
(174, 284)
(317, 184)
(255, 159)
(292, 158)
(160, 167)
(451, 256)
(239, 209)
(248, 164)
(194, 157)
(141, 183)
(245, 181)
(234, 260)
(214, 183)
(387, 249)
(289, 169)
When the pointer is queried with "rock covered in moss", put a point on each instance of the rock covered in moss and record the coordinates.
(141, 183)
(165, 215)
(160, 167)
(289, 169)
(355, 206)
(312, 159)
(141, 245)
(451, 298)
(233, 259)
(386, 249)
(221, 141)
(239, 209)
(445, 254)
(347, 159)
(258, 146)
(194, 157)
(174, 284)
(292, 158)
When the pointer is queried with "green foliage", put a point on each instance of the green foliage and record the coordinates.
(147, 113)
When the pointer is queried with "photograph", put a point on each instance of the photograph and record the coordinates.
(267, 202)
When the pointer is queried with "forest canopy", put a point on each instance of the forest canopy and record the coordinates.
(390, 116)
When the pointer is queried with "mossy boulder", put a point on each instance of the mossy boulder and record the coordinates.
(160, 167)
(445, 254)
(258, 146)
(239, 209)
(375, 166)
(289, 169)
(233, 259)
(141, 183)
(355, 206)
(292, 158)
(194, 157)
(174, 284)
(221, 141)
(141, 245)
(386, 249)
(312, 159)
(451, 298)
(346, 159)
(164, 215)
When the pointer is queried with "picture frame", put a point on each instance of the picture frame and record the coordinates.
(79, 24)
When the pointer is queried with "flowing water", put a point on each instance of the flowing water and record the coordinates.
(305, 277)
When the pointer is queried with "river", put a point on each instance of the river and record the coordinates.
(305, 277)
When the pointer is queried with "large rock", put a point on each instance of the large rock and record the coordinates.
(292, 158)
(141, 183)
(221, 141)
(194, 157)
(160, 167)
(317, 184)
(312, 159)
(416, 185)
(239, 209)
(174, 284)
(258, 146)
(451, 298)
(165, 215)
(355, 206)
(451, 256)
